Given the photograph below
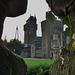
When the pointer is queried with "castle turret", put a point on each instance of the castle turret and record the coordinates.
(30, 30)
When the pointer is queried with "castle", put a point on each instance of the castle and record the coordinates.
(53, 37)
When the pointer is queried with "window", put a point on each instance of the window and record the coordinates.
(55, 36)
(55, 43)
(38, 45)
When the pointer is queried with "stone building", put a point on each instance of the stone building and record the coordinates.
(30, 30)
(29, 34)
(53, 38)
(36, 48)
(26, 51)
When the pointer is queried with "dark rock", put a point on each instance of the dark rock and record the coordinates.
(10, 63)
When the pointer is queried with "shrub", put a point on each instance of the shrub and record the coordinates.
(34, 70)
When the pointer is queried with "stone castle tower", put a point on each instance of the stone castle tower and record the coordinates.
(52, 38)
(30, 30)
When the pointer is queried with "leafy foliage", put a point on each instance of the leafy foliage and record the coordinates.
(73, 45)
(67, 31)
(66, 21)
(64, 48)
(14, 45)
(50, 16)
(37, 70)
(40, 71)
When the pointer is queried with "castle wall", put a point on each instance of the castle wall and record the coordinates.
(52, 38)
(45, 39)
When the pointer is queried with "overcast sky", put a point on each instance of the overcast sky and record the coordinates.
(35, 7)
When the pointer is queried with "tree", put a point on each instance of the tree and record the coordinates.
(15, 46)
(66, 10)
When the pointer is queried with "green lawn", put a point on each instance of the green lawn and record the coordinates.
(36, 62)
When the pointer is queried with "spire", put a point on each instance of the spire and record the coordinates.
(17, 33)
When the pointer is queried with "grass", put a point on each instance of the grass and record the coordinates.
(37, 62)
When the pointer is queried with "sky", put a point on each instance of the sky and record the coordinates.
(35, 7)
